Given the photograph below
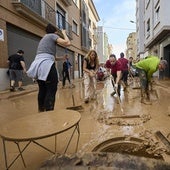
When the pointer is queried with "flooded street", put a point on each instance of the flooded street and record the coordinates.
(105, 125)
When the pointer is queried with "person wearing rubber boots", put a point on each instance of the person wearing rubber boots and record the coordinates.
(145, 69)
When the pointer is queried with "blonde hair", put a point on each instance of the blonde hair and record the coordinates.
(96, 60)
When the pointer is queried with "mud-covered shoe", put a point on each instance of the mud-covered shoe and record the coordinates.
(94, 97)
(145, 101)
(71, 86)
(86, 100)
(12, 88)
(20, 89)
(113, 93)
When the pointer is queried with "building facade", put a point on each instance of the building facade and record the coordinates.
(22, 25)
(103, 47)
(153, 29)
(131, 46)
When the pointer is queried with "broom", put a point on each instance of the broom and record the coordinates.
(120, 104)
(74, 107)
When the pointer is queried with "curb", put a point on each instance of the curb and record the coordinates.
(28, 89)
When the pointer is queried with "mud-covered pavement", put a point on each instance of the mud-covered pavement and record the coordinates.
(105, 126)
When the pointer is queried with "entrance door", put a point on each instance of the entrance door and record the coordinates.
(167, 57)
(20, 39)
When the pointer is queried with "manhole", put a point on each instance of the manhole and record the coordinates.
(123, 145)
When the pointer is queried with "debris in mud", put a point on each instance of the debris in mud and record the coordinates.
(102, 161)
(153, 146)
(163, 139)
(123, 120)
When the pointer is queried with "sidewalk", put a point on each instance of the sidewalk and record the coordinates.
(6, 94)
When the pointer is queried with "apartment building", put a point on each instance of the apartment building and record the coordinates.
(93, 19)
(153, 28)
(103, 47)
(23, 22)
(89, 18)
(131, 46)
(140, 28)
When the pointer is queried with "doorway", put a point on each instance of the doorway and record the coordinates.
(167, 57)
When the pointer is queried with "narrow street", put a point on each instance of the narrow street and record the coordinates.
(105, 126)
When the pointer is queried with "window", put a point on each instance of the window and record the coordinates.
(157, 13)
(148, 25)
(60, 18)
(147, 3)
(75, 27)
(75, 1)
(148, 28)
(89, 23)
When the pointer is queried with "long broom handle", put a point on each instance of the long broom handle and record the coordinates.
(117, 95)
(73, 100)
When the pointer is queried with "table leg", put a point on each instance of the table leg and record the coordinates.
(5, 155)
(43, 147)
(20, 152)
(78, 131)
(55, 143)
(76, 128)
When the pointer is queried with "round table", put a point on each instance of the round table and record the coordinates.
(39, 126)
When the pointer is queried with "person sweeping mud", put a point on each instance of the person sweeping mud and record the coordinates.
(145, 69)
(90, 68)
(116, 69)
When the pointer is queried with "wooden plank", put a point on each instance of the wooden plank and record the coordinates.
(163, 139)
(125, 116)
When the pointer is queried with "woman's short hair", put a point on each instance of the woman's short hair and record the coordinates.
(50, 29)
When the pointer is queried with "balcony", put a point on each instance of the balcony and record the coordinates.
(40, 12)
(67, 2)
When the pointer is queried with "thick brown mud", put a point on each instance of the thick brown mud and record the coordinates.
(102, 120)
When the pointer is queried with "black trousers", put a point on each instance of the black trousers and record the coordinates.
(47, 91)
(125, 76)
(66, 75)
(119, 87)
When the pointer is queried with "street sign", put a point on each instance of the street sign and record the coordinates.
(1, 35)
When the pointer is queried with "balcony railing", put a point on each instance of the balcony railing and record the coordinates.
(41, 12)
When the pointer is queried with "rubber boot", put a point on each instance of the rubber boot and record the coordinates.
(144, 98)
(113, 93)
(147, 95)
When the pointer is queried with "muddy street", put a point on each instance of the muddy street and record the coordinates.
(105, 126)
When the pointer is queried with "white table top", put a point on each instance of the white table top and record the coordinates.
(40, 125)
